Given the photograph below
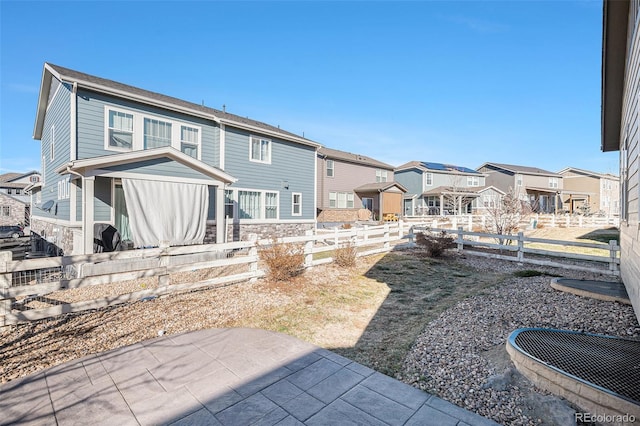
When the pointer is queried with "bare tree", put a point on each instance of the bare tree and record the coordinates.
(506, 214)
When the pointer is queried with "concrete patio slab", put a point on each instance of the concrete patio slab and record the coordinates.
(221, 377)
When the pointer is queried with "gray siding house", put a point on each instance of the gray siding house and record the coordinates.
(349, 182)
(15, 199)
(439, 189)
(540, 188)
(161, 170)
(621, 127)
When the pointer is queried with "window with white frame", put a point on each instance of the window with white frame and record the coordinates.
(249, 206)
(63, 189)
(271, 205)
(433, 201)
(52, 143)
(341, 200)
(157, 133)
(260, 149)
(330, 168)
(296, 204)
(381, 175)
(518, 180)
(189, 141)
(9, 191)
(34, 179)
(228, 203)
(473, 181)
(553, 182)
(428, 179)
(6, 211)
(120, 131)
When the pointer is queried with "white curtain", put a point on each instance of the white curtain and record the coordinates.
(166, 213)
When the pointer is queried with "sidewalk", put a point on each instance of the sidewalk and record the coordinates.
(221, 377)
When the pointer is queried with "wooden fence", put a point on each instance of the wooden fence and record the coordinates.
(513, 248)
(25, 281)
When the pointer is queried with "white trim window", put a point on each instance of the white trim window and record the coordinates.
(428, 179)
(553, 182)
(296, 204)
(63, 189)
(52, 143)
(381, 175)
(6, 211)
(252, 204)
(34, 178)
(189, 141)
(260, 149)
(341, 200)
(270, 205)
(130, 130)
(229, 202)
(473, 181)
(157, 133)
(120, 130)
(330, 168)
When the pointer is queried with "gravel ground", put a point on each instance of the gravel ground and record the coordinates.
(461, 356)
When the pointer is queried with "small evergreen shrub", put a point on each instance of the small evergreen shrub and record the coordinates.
(283, 260)
(435, 245)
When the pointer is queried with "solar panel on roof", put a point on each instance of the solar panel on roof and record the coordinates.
(434, 166)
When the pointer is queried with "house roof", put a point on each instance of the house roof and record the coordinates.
(82, 166)
(526, 170)
(588, 173)
(335, 154)
(379, 187)
(449, 190)
(114, 88)
(615, 17)
(437, 167)
(8, 177)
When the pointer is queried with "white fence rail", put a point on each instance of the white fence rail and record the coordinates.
(35, 279)
(513, 248)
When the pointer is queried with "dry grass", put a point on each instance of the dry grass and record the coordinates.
(370, 313)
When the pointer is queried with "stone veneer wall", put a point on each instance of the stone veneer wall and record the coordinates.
(241, 232)
(50, 237)
(343, 215)
(16, 210)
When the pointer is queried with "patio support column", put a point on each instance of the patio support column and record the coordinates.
(441, 205)
(220, 223)
(88, 192)
(460, 204)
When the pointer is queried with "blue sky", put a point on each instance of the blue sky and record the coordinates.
(462, 82)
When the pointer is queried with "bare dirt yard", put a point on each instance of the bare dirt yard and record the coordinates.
(438, 324)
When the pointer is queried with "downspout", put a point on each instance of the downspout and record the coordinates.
(84, 210)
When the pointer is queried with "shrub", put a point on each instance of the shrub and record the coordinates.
(284, 260)
(345, 256)
(346, 226)
(435, 245)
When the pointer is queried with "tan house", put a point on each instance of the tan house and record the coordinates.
(590, 192)
(621, 127)
(350, 183)
(540, 188)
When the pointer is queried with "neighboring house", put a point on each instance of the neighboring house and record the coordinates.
(489, 200)
(15, 200)
(540, 188)
(161, 170)
(439, 189)
(349, 182)
(590, 192)
(621, 127)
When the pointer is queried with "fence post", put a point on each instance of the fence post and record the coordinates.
(470, 224)
(454, 223)
(308, 249)
(579, 221)
(386, 236)
(520, 247)
(568, 220)
(484, 222)
(553, 221)
(365, 233)
(400, 228)
(5, 283)
(459, 240)
(253, 252)
(612, 256)
(335, 237)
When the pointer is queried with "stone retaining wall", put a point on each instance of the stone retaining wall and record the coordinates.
(51, 237)
(240, 232)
